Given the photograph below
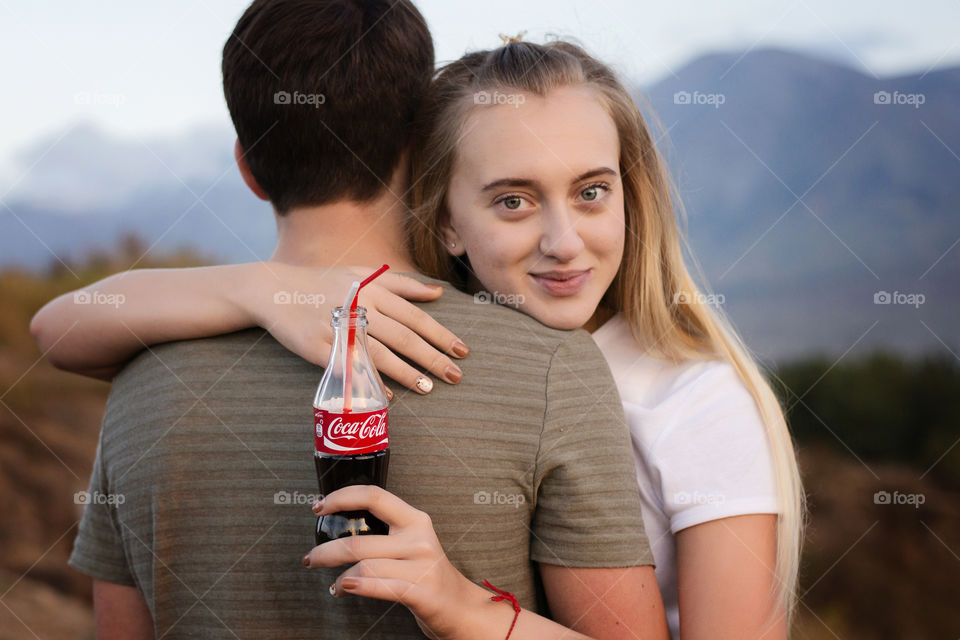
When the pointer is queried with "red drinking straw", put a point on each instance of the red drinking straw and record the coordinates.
(351, 337)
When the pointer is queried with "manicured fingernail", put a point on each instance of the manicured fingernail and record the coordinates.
(459, 349)
(424, 384)
(306, 560)
(333, 589)
(317, 506)
(389, 394)
(349, 583)
(453, 374)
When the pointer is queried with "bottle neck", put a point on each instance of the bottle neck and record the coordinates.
(344, 323)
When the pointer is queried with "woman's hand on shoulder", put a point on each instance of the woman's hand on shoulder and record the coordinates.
(294, 303)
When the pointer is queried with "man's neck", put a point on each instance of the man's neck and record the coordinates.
(345, 234)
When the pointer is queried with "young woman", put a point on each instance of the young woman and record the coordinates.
(535, 179)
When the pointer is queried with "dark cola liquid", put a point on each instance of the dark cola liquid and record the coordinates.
(335, 472)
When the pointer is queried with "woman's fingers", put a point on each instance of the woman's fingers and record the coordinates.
(378, 568)
(380, 502)
(408, 344)
(407, 287)
(423, 324)
(392, 589)
(351, 549)
(390, 364)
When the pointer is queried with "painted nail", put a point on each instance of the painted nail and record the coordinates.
(333, 589)
(306, 560)
(424, 384)
(453, 374)
(459, 349)
(317, 506)
(349, 583)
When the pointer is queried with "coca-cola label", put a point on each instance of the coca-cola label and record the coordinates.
(348, 434)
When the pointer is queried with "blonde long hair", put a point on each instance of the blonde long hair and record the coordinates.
(653, 288)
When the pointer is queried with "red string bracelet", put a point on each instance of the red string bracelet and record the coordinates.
(509, 597)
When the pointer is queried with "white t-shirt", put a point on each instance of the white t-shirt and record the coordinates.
(699, 443)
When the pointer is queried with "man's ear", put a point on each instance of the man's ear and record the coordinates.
(451, 239)
(248, 178)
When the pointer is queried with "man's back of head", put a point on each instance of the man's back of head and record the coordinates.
(322, 94)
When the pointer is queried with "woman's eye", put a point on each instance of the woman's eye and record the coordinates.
(593, 192)
(512, 202)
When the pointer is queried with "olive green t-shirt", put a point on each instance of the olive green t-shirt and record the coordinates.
(204, 476)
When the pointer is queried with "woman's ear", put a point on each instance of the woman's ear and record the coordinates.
(246, 174)
(451, 239)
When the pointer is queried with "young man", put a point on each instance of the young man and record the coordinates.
(207, 440)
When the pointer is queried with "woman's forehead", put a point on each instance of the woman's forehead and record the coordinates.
(564, 133)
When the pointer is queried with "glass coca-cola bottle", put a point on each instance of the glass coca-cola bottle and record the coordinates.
(350, 426)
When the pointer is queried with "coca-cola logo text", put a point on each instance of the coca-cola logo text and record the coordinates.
(373, 426)
(351, 433)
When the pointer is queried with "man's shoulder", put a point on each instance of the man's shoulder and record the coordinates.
(191, 368)
(233, 347)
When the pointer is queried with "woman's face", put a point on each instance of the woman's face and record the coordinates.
(536, 202)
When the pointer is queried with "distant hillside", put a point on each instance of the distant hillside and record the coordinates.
(880, 206)
(748, 135)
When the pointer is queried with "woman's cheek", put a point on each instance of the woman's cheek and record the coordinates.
(500, 263)
(611, 237)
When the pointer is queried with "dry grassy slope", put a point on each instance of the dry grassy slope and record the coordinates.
(36, 610)
(49, 424)
(877, 571)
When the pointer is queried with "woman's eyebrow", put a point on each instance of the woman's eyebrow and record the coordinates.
(510, 182)
(527, 182)
(599, 171)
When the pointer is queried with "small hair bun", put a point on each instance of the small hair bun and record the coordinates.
(507, 40)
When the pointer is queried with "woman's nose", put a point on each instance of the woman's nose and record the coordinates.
(560, 239)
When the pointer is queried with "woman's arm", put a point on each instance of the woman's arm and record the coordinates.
(120, 612)
(726, 579)
(409, 566)
(95, 330)
(606, 602)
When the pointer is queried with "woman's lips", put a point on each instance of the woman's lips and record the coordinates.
(562, 283)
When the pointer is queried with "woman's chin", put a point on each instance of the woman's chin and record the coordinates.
(564, 316)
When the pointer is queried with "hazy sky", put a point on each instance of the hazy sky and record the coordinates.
(150, 68)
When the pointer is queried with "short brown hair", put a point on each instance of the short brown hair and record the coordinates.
(322, 94)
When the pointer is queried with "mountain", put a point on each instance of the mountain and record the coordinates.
(87, 189)
(83, 171)
(810, 188)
